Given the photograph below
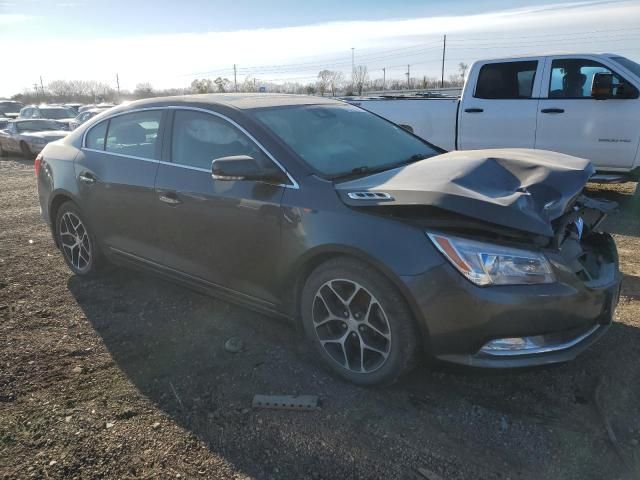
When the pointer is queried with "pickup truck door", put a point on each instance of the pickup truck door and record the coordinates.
(571, 121)
(499, 105)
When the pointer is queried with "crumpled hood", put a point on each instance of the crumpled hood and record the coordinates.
(516, 188)
(48, 135)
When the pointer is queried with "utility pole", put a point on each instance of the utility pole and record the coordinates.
(444, 50)
(118, 85)
(408, 77)
(41, 86)
(353, 65)
(384, 78)
(235, 77)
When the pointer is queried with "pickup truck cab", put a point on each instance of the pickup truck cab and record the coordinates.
(586, 105)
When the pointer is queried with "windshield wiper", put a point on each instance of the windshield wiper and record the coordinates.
(366, 170)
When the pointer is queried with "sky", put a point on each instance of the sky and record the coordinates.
(171, 43)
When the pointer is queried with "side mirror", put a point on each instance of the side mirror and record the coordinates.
(602, 86)
(242, 167)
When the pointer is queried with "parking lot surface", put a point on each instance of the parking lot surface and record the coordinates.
(126, 376)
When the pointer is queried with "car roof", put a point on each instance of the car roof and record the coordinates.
(241, 101)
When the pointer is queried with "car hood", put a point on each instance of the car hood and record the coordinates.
(48, 135)
(515, 188)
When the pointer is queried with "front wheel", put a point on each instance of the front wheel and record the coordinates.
(358, 322)
(77, 243)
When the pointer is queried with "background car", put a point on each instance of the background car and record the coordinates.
(29, 137)
(61, 114)
(74, 106)
(10, 108)
(84, 116)
(102, 106)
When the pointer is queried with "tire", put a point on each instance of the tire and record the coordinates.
(3, 152)
(378, 317)
(77, 243)
(26, 151)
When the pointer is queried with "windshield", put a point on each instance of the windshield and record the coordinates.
(56, 113)
(628, 64)
(335, 140)
(37, 126)
(10, 107)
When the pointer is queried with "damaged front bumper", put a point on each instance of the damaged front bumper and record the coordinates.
(524, 325)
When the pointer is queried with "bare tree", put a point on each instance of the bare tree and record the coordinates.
(335, 81)
(223, 84)
(462, 68)
(143, 90)
(202, 86)
(360, 78)
(324, 81)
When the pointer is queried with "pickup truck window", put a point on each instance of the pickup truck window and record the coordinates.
(509, 80)
(572, 78)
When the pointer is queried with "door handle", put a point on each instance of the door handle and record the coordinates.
(87, 178)
(552, 110)
(474, 110)
(169, 198)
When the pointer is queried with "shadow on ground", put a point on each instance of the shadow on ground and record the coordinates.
(461, 423)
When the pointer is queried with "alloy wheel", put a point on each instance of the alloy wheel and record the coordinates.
(351, 325)
(75, 242)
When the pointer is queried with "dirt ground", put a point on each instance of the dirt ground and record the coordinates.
(126, 376)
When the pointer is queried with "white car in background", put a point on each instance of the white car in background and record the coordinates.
(585, 105)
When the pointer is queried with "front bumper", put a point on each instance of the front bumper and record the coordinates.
(564, 317)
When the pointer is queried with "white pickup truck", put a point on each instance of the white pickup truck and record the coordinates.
(586, 105)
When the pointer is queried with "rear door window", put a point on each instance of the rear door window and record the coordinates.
(95, 136)
(135, 134)
(509, 80)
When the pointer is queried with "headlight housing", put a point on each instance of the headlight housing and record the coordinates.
(489, 264)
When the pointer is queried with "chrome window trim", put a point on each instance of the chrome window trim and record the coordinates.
(294, 184)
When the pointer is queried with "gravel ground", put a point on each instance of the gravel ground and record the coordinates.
(126, 376)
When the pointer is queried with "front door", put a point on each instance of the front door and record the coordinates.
(226, 233)
(115, 171)
(501, 111)
(571, 121)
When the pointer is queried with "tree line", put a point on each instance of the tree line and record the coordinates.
(328, 82)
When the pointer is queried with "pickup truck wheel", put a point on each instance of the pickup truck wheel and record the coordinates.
(26, 151)
(358, 322)
(77, 243)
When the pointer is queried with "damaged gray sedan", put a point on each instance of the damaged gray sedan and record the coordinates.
(381, 245)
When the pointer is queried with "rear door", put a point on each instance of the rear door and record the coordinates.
(225, 233)
(501, 110)
(116, 171)
(572, 122)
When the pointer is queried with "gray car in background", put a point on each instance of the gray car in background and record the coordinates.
(63, 115)
(29, 137)
(10, 108)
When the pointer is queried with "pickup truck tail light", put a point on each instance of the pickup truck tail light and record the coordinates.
(37, 164)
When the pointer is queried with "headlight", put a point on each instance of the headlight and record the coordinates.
(489, 264)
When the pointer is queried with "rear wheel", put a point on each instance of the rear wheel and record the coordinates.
(26, 151)
(76, 241)
(358, 322)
